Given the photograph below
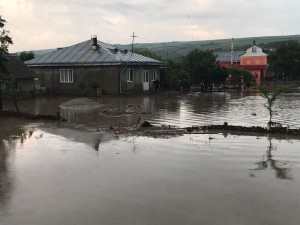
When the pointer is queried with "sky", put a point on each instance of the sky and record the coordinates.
(46, 24)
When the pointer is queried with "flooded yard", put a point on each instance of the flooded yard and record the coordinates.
(83, 172)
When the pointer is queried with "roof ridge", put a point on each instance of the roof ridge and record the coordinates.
(84, 53)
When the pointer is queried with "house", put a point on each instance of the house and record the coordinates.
(253, 60)
(25, 79)
(92, 64)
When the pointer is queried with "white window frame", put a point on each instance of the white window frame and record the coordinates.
(66, 76)
(146, 76)
(153, 75)
(130, 75)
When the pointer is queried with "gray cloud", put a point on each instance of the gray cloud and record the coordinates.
(36, 24)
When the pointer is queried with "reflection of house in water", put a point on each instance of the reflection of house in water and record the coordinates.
(268, 162)
(69, 109)
(109, 112)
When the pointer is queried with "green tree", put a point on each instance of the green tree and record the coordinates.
(148, 53)
(271, 95)
(284, 62)
(236, 77)
(12, 92)
(26, 55)
(173, 75)
(200, 65)
(219, 75)
(5, 41)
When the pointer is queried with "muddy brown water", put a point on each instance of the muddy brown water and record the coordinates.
(81, 172)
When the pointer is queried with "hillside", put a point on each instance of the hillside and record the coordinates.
(179, 49)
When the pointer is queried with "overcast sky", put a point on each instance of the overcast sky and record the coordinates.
(43, 24)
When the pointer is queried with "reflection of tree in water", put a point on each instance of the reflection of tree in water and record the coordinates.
(5, 185)
(268, 161)
(10, 136)
(207, 102)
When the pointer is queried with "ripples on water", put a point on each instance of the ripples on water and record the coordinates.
(181, 110)
(55, 174)
(236, 109)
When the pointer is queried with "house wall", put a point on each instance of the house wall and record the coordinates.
(108, 78)
(137, 85)
(25, 84)
(253, 60)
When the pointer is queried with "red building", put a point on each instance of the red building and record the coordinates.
(253, 60)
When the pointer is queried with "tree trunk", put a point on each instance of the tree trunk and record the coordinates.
(16, 105)
(1, 104)
(270, 121)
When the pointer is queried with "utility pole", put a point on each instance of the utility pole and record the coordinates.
(133, 36)
(231, 55)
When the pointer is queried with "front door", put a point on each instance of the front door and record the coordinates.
(145, 80)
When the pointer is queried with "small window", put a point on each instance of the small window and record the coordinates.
(254, 49)
(146, 76)
(66, 76)
(153, 75)
(130, 75)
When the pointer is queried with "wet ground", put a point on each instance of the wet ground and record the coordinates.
(83, 172)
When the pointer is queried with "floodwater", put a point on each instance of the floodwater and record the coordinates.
(82, 172)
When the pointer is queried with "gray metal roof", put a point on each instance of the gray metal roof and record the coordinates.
(225, 56)
(82, 54)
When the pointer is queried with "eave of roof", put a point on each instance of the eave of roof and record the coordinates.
(253, 67)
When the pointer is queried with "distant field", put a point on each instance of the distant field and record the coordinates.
(179, 49)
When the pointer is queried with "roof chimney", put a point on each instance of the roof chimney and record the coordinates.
(95, 44)
(254, 42)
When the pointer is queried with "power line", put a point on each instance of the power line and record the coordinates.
(148, 40)
(133, 36)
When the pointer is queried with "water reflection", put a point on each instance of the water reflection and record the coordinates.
(11, 135)
(180, 110)
(268, 161)
(135, 179)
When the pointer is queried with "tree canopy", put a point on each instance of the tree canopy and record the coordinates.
(148, 53)
(236, 78)
(285, 60)
(200, 65)
(271, 95)
(5, 41)
(26, 55)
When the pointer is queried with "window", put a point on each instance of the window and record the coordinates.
(66, 76)
(153, 75)
(146, 76)
(130, 75)
(254, 49)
